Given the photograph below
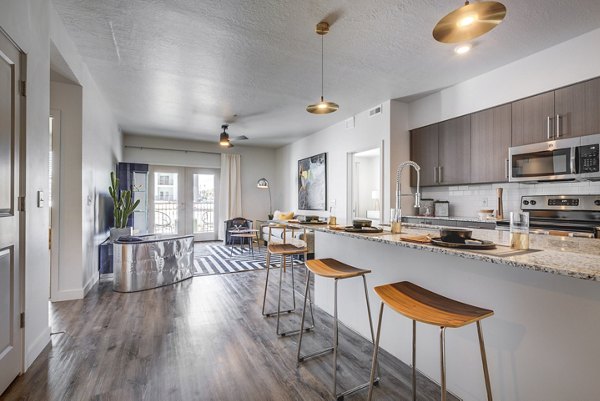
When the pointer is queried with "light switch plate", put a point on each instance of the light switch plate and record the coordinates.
(40, 199)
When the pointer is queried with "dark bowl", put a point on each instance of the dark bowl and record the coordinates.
(360, 223)
(456, 235)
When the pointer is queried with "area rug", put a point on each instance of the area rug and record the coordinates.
(218, 259)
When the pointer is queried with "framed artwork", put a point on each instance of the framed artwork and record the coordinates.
(312, 183)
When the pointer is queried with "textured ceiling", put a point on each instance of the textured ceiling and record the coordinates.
(182, 67)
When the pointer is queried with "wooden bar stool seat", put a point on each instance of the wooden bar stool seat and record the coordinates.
(427, 307)
(285, 249)
(336, 270)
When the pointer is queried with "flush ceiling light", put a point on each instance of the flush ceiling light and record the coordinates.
(469, 21)
(322, 107)
(462, 49)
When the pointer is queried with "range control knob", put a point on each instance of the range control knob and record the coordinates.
(597, 202)
(526, 202)
(533, 202)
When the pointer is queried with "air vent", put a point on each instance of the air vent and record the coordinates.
(350, 123)
(375, 111)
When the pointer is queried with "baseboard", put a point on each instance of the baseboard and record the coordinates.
(36, 347)
(67, 295)
(91, 282)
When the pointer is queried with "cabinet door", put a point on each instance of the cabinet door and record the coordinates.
(592, 107)
(570, 112)
(530, 119)
(455, 151)
(424, 152)
(490, 140)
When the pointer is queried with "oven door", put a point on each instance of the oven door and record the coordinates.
(543, 162)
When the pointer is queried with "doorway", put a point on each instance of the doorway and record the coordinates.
(183, 201)
(365, 184)
(12, 65)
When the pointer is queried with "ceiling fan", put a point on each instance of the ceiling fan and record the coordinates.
(225, 140)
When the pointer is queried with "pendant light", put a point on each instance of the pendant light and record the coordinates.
(469, 21)
(322, 107)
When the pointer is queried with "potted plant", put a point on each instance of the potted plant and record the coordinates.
(123, 206)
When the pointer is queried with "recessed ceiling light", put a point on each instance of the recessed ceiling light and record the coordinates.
(462, 49)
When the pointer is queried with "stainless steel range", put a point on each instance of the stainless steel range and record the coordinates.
(569, 215)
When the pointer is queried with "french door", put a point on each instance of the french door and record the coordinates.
(11, 352)
(184, 201)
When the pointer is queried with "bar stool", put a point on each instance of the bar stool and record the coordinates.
(283, 248)
(331, 268)
(425, 306)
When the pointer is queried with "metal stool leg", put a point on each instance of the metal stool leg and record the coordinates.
(335, 337)
(281, 269)
(287, 333)
(370, 321)
(443, 361)
(486, 373)
(375, 354)
(414, 360)
(266, 285)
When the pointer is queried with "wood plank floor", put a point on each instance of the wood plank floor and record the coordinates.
(202, 339)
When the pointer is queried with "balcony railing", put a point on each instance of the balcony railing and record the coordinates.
(166, 217)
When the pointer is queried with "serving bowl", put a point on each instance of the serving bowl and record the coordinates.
(456, 235)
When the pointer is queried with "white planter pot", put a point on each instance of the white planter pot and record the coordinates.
(115, 233)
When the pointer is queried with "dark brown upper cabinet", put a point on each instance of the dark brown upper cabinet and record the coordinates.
(454, 152)
(569, 111)
(424, 152)
(532, 119)
(592, 107)
(490, 140)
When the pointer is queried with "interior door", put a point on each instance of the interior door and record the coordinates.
(201, 199)
(10, 304)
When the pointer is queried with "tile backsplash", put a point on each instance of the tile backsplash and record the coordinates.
(467, 200)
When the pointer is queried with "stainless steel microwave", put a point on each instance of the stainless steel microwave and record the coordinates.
(566, 159)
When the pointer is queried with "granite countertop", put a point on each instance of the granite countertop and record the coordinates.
(566, 256)
(454, 218)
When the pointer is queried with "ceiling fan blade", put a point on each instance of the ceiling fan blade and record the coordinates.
(239, 138)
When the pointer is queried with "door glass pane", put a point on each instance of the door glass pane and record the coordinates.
(166, 203)
(204, 203)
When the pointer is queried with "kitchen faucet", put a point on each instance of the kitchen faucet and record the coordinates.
(399, 194)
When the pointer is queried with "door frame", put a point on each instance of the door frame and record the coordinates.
(55, 208)
(180, 171)
(189, 200)
(352, 175)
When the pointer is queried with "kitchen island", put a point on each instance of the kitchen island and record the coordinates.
(542, 342)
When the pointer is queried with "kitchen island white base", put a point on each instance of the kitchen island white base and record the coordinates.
(543, 343)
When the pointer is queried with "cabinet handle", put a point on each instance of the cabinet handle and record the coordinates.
(506, 168)
(435, 181)
(548, 126)
(441, 174)
(558, 126)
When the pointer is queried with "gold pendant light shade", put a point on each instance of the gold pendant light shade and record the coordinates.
(469, 22)
(322, 107)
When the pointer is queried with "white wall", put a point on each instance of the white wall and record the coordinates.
(368, 181)
(572, 61)
(337, 141)
(256, 163)
(100, 148)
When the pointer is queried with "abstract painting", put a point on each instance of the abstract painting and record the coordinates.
(312, 183)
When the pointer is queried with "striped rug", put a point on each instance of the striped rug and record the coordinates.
(217, 259)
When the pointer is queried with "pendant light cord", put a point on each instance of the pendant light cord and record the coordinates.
(322, 73)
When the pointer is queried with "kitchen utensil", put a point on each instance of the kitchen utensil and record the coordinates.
(455, 235)
(500, 208)
(472, 244)
(364, 230)
(360, 223)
